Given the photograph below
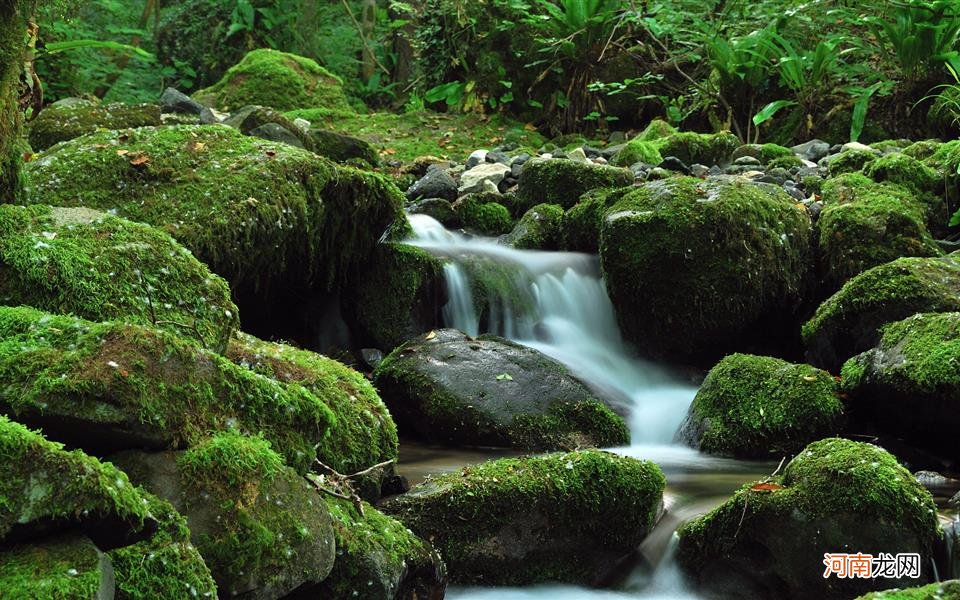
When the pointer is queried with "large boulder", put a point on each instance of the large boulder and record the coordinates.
(909, 382)
(66, 120)
(538, 229)
(762, 407)
(100, 267)
(448, 388)
(694, 267)
(769, 540)
(562, 182)
(567, 517)
(879, 223)
(377, 558)
(269, 217)
(248, 513)
(582, 223)
(276, 79)
(110, 386)
(67, 567)
(699, 148)
(165, 566)
(44, 487)
(361, 433)
(849, 322)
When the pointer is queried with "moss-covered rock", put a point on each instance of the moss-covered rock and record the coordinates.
(638, 151)
(765, 153)
(909, 383)
(166, 566)
(581, 225)
(562, 182)
(560, 517)
(849, 322)
(849, 161)
(249, 515)
(693, 265)
(846, 188)
(362, 432)
(759, 407)
(923, 149)
(399, 296)
(262, 214)
(378, 557)
(44, 486)
(480, 216)
(880, 223)
(341, 148)
(276, 79)
(901, 169)
(785, 162)
(538, 229)
(656, 129)
(64, 567)
(446, 387)
(100, 267)
(110, 386)
(946, 590)
(769, 540)
(67, 120)
(699, 148)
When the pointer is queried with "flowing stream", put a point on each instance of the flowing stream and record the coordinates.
(557, 303)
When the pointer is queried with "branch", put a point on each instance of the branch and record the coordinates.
(363, 38)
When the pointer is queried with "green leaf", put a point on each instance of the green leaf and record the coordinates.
(56, 47)
(766, 113)
(860, 111)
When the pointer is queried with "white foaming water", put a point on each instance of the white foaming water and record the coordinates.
(566, 314)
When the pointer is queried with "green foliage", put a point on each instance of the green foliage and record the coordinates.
(921, 33)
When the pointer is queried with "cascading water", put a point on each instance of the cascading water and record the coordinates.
(556, 302)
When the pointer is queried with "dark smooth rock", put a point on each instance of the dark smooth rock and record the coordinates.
(173, 100)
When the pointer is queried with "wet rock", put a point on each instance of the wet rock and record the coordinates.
(538, 229)
(341, 148)
(556, 518)
(769, 540)
(562, 182)
(439, 209)
(448, 388)
(276, 133)
(173, 100)
(813, 150)
(673, 163)
(437, 183)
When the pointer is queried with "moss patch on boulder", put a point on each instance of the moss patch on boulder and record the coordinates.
(566, 517)
(849, 322)
(562, 182)
(67, 120)
(110, 386)
(699, 148)
(762, 407)
(261, 214)
(691, 265)
(484, 218)
(849, 161)
(100, 267)
(582, 223)
(769, 540)
(637, 150)
(909, 383)
(901, 169)
(538, 229)
(63, 567)
(276, 79)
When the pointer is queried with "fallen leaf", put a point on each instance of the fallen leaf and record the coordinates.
(809, 377)
(195, 146)
(28, 156)
(431, 335)
(504, 377)
(529, 127)
(765, 487)
(140, 160)
(123, 152)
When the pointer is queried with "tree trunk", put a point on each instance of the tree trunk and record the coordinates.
(368, 21)
(12, 35)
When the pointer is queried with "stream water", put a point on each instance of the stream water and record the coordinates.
(557, 303)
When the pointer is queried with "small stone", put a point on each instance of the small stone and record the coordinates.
(302, 124)
(476, 157)
(475, 179)
(577, 155)
(273, 132)
(437, 183)
(172, 100)
(497, 156)
(747, 160)
(858, 146)
(209, 116)
(673, 163)
(813, 150)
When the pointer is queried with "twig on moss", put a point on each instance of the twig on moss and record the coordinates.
(343, 484)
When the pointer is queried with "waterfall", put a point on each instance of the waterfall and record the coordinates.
(557, 303)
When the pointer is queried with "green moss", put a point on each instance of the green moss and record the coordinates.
(849, 161)
(771, 152)
(59, 123)
(65, 567)
(342, 148)
(835, 494)
(849, 321)
(230, 459)
(12, 27)
(562, 182)
(487, 218)
(845, 188)
(497, 287)
(908, 383)
(164, 567)
(409, 136)
(560, 513)
(398, 295)
(947, 590)
(259, 213)
(102, 268)
(538, 229)
(363, 433)
(656, 130)
(374, 553)
(580, 228)
(42, 482)
(690, 264)
(878, 225)
(699, 148)
(276, 79)
(134, 386)
(904, 170)
(923, 149)
(758, 406)
(785, 162)
(637, 150)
